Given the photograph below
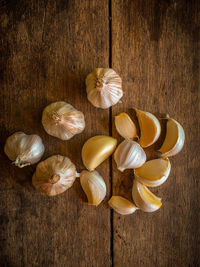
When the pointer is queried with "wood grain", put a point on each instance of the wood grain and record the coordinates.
(47, 49)
(155, 50)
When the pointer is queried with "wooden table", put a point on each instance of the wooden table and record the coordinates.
(47, 49)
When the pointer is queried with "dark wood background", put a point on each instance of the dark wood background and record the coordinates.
(47, 48)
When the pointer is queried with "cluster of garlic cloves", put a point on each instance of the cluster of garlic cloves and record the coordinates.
(62, 120)
(24, 149)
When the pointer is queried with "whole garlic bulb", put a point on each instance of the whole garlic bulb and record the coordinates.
(129, 155)
(54, 175)
(62, 120)
(24, 149)
(104, 87)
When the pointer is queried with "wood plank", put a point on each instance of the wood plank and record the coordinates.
(155, 50)
(47, 49)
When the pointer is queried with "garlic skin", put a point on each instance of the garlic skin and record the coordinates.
(24, 149)
(94, 187)
(149, 127)
(144, 198)
(153, 172)
(54, 175)
(174, 140)
(97, 149)
(62, 120)
(129, 155)
(125, 126)
(104, 87)
(122, 205)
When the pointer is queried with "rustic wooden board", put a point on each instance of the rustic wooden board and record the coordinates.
(155, 50)
(47, 49)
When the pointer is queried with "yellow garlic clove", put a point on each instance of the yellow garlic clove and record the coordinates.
(174, 139)
(129, 155)
(96, 149)
(54, 175)
(62, 120)
(94, 187)
(153, 172)
(122, 205)
(104, 87)
(24, 149)
(144, 198)
(125, 126)
(150, 128)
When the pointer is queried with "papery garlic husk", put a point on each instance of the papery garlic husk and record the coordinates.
(129, 155)
(144, 198)
(125, 126)
(94, 186)
(97, 149)
(54, 175)
(24, 149)
(174, 140)
(62, 120)
(122, 205)
(153, 172)
(150, 128)
(104, 87)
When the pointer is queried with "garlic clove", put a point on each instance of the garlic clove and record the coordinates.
(153, 172)
(129, 155)
(149, 127)
(121, 205)
(144, 198)
(96, 149)
(104, 88)
(174, 140)
(62, 120)
(94, 187)
(24, 149)
(54, 175)
(125, 126)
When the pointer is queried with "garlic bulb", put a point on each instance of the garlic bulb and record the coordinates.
(62, 120)
(104, 88)
(144, 198)
(174, 139)
(153, 172)
(125, 126)
(149, 127)
(96, 149)
(54, 175)
(93, 186)
(24, 149)
(129, 155)
(122, 205)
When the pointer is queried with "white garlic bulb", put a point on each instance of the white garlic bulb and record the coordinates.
(93, 186)
(54, 175)
(129, 155)
(62, 120)
(24, 149)
(104, 87)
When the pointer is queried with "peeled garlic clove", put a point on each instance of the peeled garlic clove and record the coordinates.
(54, 175)
(144, 198)
(62, 120)
(125, 126)
(174, 139)
(104, 88)
(96, 149)
(129, 155)
(24, 149)
(94, 187)
(149, 127)
(153, 172)
(121, 205)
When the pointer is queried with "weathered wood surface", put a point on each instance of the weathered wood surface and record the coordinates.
(47, 49)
